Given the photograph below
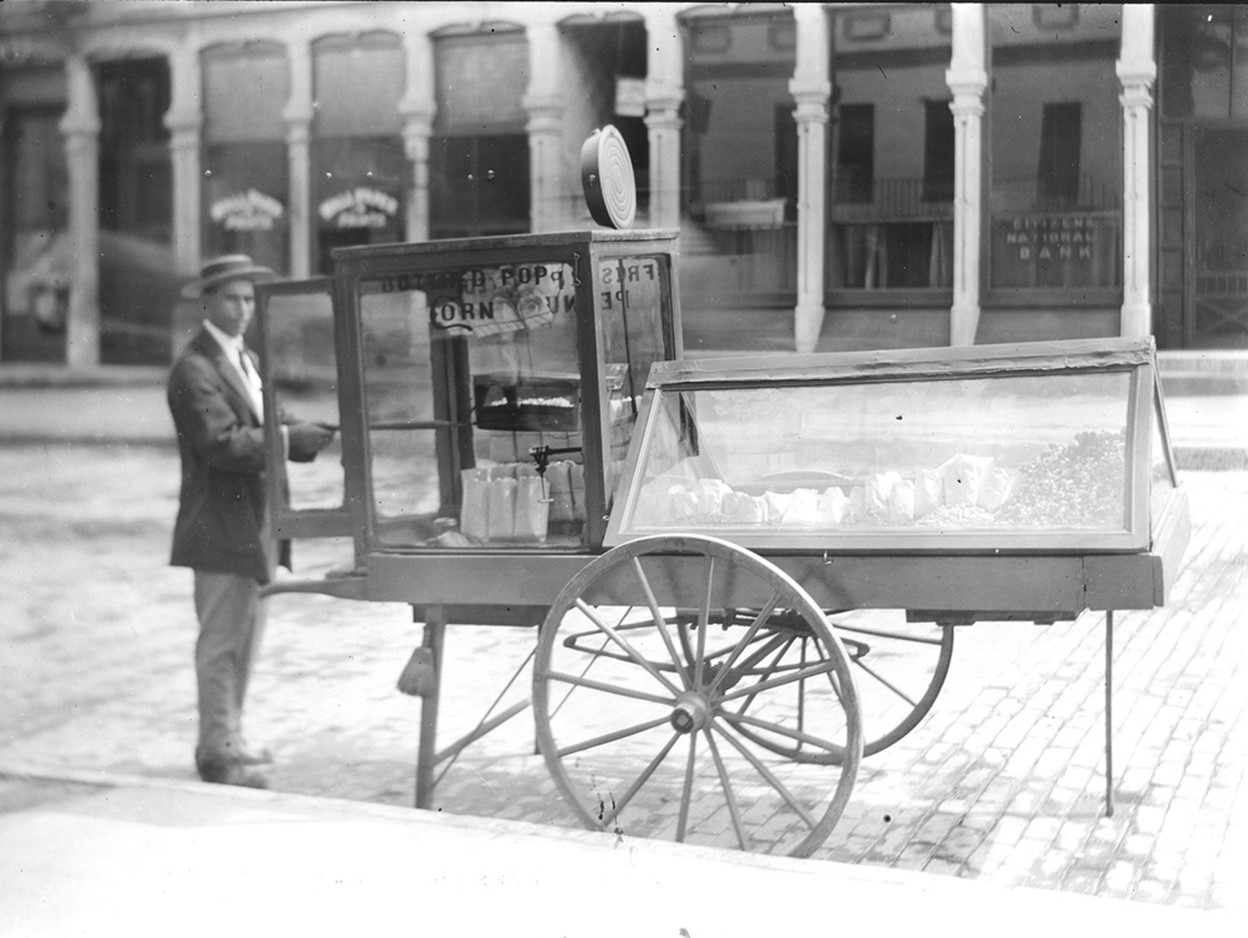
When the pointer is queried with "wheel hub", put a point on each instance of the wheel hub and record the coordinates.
(691, 713)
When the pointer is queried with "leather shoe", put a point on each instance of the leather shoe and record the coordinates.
(224, 771)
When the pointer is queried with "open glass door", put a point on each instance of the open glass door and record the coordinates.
(300, 372)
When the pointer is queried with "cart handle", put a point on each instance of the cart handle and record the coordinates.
(402, 425)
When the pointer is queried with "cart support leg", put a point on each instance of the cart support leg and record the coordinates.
(426, 754)
(1109, 713)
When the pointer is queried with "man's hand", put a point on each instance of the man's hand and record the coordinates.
(306, 440)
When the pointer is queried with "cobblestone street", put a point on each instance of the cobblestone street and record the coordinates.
(1003, 782)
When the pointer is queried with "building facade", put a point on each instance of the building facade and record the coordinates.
(843, 175)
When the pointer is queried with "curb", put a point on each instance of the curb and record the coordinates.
(35, 376)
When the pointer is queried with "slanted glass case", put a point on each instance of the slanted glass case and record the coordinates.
(1049, 447)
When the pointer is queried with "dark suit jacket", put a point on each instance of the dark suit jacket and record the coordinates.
(221, 511)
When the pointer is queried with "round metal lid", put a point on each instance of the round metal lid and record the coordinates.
(607, 178)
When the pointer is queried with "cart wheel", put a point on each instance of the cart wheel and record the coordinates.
(657, 722)
(899, 668)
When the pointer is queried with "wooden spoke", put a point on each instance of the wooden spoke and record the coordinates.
(686, 791)
(660, 622)
(744, 643)
(615, 636)
(797, 735)
(606, 688)
(800, 674)
(798, 808)
(612, 736)
(730, 798)
(641, 779)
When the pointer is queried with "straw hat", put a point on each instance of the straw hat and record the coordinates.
(222, 269)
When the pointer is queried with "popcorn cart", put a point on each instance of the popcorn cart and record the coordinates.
(746, 572)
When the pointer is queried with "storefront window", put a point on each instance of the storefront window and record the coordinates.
(245, 166)
(739, 174)
(1204, 61)
(891, 147)
(136, 178)
(1055, 152)
(36, 251)
(359, 167)
(479, 154)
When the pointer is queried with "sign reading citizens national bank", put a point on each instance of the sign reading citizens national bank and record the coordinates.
(1054, 249)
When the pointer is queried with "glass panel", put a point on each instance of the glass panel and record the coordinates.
(234, 74)
(739, 154)
(478, 185)
(476, 77)
(359, 167)
(1239, 64)
(474, 401)
(890, 203)
(136, 175)
(39, 255)
(358, 81)
(932, 456)
(300, 345)
(631, 308)
(398, 395)
(1056, 151)
(358, 193)
(244, 193)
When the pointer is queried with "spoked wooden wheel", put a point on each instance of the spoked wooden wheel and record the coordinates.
(661, 714)
(899, 668)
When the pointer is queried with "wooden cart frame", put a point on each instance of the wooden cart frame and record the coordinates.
(710, 630)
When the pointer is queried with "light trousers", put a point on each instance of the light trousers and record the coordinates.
(231, 625)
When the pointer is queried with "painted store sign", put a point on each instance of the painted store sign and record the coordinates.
(247, 211)
(513, 297)
(360, 207)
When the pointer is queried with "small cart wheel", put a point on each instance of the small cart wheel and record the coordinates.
(899, 669)
(660, 713)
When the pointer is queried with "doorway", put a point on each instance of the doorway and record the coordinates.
(1218, 307)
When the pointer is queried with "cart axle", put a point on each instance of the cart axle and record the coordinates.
(691, 713)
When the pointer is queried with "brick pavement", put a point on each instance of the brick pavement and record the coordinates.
(1002, 783)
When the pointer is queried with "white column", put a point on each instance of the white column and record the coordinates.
(81, 128)
(665, 92)
(544, 104)
(811, 89)
(185, 120)
(967, 78)
(1137, 71)
(418, 107)
(298, 116)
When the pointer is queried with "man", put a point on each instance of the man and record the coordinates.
(221, 529)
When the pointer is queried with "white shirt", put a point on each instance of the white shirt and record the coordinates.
(235, 351)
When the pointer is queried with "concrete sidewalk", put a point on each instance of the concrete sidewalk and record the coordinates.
(89, 854)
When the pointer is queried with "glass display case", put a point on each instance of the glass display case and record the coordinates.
(486, 389)
(1041, 447)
